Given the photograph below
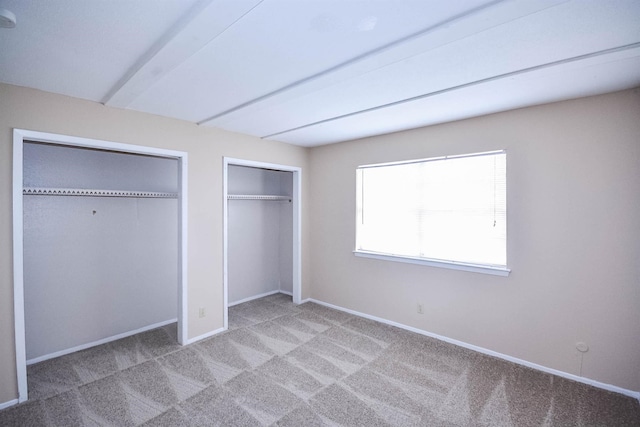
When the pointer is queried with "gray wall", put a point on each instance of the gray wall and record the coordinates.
(260, 258)
(90, 276)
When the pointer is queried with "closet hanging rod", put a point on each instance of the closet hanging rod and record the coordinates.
(42, 191)
(257, 197)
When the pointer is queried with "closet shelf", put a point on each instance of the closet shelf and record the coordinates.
(257, 197)
(42, 191)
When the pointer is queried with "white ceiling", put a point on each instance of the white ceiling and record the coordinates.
(313, 72)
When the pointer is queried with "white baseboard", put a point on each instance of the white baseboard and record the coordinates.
(4, 405)
(584, 380)
(219, 330)
(203, 336)
(99, 342)
(266, 294)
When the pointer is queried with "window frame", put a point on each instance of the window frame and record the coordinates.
(497, 270)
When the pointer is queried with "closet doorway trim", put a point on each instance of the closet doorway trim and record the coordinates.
(19, 137)
(296, 200)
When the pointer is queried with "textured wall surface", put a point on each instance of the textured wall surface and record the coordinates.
(573, 200)
(96, 267)
(573, 247)
(260, 233)
(45, 112)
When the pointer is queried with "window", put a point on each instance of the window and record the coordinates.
(446, 211)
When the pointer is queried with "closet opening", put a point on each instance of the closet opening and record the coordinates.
(261, 231)
(99, 245)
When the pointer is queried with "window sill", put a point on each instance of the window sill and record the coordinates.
(484, 269)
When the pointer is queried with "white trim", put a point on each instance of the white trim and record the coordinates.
(18, 268)
(304, 301)
(75, 141)
(183, 233)
(19, 135)
(5, 405)
(296, 200)
(261, 165)
(584, 380)
(432, 159)
(99, 342)
(451, 265)
(225, 244)
(266, 294)
(203, 336)
(296, 286)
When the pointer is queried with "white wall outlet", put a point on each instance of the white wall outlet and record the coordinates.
(201, 312)
(420, 308)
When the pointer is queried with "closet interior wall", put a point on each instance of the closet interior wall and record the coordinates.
(260, 233)
(96, 267)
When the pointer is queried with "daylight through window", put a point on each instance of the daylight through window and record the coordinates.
(450, 209)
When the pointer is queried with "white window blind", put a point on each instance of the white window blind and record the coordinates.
(449, 209)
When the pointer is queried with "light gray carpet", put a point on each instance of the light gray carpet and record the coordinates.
(286, 365)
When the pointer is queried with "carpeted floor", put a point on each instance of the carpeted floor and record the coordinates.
(286, 365)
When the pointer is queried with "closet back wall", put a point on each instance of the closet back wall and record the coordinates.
(260, 240)
(96, 267)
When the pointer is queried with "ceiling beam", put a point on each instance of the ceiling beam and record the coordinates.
(471, 22)
(606, 55)
(204, 22)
